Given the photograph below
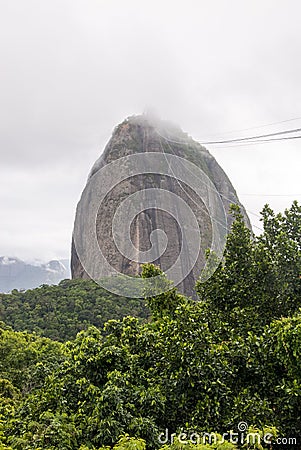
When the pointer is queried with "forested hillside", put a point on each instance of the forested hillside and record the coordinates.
(232, 358)
(60, 312)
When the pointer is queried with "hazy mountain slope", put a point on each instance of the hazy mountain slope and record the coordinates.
(18, 274)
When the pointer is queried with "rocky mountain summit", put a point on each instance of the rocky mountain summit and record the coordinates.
(146, 135)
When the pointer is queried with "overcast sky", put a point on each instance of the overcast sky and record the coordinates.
(71, 70)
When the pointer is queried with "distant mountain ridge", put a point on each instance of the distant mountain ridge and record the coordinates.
(18, 274)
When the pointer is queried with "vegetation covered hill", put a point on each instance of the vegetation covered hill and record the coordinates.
(60, 312)
(231, 359)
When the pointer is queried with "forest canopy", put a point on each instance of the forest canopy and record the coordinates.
(179, 366)
(60, 312)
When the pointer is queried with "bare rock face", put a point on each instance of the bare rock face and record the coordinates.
(142, 134)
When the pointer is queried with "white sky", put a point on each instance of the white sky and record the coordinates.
(71, 70)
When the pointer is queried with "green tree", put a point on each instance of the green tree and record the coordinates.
(204, 366)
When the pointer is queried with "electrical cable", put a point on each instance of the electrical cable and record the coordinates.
(258, 142)
(296, 130)
(271, 195)
(254, 127)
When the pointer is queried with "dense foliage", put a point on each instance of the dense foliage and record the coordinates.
(60, 312)
(233, 357)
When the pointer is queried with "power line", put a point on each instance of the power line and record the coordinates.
(239, 142)
(254, 127)
(259, 142)
(270, 195)
(296, 130)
